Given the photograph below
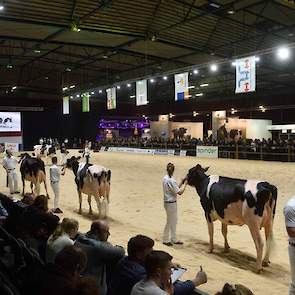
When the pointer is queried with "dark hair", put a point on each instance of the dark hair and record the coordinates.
(170, 169)
(41, 203)
(138, 244)
(71, 259)
(155, 260)
(54, 160)
(234, 290)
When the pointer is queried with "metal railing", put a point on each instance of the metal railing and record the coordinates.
(273, 153)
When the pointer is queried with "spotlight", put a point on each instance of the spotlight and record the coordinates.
(233, 64)
(132, 96)
(1, 7)
(213, 68)
(257, 58)
(152, 80)
(191, 87)
(105, 56)
(231, 11)
(37, 51)
(65, 88)
(71, 96)
(9, 66)
(171, 115)
(195, 71)
(283, 53)
(14, 87)
(72, 86)
(165, 78)
(78, 95)
(128, 85)
(199, 94)
(99, 91)
(118, 87)
(68, 69)
(195, 113)
(204, 85)
(92, 92)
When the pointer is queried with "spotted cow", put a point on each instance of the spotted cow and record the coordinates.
(92, 180)
(237, 202)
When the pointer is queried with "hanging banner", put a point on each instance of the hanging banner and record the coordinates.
(141, 92)
(181, 86)
(66, 105)
(111, 98)
(85, 102)
(245, 74)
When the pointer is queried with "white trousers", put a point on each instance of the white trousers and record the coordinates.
(292, 269)
(12, 181)
(55, 188)
(63, 160)
(169, 234)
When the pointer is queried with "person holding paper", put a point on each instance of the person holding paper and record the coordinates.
(171, 189)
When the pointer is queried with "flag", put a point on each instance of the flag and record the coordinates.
(141, 92)
(85, 102)
(111, 98)
(245, 74)
(181, 86)
(66, 105)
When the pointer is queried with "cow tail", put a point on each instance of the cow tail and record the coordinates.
(273, 201)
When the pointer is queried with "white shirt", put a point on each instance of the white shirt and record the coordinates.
(289, 212)
(54, 247)
(54, 173)
(147, 287)
(170, 189)
(86, 152)
(9, 162)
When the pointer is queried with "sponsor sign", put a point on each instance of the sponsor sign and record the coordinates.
(182, 153)
(10, 122)
(207, 152)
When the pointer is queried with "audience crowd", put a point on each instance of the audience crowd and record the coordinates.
(40, 254)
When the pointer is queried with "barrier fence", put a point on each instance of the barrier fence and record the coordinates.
(283, 154)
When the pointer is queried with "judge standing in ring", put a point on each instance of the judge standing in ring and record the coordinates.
(9, 164)
(171, 189)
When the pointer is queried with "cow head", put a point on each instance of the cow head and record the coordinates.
(72, 162)
(196, 174)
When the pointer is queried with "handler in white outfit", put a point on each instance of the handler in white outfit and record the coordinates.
(9, 164)
(289, 212)
(55, 173)
(171, 189)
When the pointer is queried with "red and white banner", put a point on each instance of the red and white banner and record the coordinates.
(245, 74)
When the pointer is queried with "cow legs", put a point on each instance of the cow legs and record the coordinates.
(224, 233)
(37, 188)
(268, 239)
(45, 186)
(89, 202)
(80, 202)
(255, 232)
(32, 186)
(211, 231)
(23, 180)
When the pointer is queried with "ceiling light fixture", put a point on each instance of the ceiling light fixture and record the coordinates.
(204, 85)
(128, 85)
(195, 71)
(199, 94)
(283, 53)
(99, 91)
(65, 88)
(118, 87)
(72, 86)
(191, 87)
(257, 58)
(213, 68)
(165, 78)
(1, 7)
(152, 80)
(132, 96)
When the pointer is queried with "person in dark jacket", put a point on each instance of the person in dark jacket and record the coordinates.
(102, 255)
(131, 269)
(62, 277)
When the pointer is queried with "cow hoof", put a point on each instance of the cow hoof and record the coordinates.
(259, 271)
(80, 211)
(226, 250)
(266, 263)
(90, 212)
(210, 251)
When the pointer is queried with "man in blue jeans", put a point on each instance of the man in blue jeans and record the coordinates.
(130, 270)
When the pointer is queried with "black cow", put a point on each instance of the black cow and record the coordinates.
(237, 202)
(33, 170)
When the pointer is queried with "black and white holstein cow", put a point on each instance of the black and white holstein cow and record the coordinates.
(92, 180)
(237, 202)
(33, 170)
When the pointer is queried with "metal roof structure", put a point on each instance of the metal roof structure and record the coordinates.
(46, 45)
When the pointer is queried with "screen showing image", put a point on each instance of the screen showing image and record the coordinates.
(10, 122)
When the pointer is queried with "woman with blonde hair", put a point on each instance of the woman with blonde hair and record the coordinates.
(62, 237)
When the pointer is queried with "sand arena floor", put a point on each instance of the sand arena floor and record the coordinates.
(137, 208)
